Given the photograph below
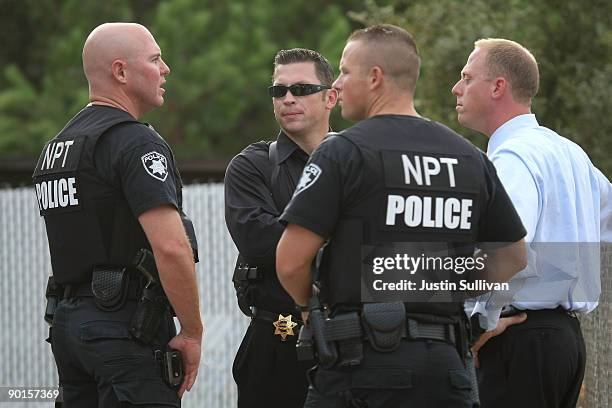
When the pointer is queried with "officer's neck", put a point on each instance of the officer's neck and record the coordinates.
(309, 141)
(392, 105)
(119, 103)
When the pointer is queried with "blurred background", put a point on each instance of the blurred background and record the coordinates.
(221, 56)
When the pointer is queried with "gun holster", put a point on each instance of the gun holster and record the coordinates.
(243, 278)
(149, 312)
(53, 293)
(327, 353)
(304, 348)
(384, 323)
(109, 287)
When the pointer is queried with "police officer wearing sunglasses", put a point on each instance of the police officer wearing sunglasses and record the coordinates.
(391, 182)
(259, 182)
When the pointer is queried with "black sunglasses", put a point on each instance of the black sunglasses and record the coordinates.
(278, 91)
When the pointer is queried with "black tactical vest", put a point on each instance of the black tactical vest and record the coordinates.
(421, 182)
(88, 222)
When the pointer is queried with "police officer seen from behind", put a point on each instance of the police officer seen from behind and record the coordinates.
(535, 355)
(258, 184)
(109, 190)
(414, 352)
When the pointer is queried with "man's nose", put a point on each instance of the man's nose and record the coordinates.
(165, 68)
(288, 98)
(337, 84)
(455, 89)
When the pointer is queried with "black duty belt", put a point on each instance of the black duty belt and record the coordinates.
(285, 324)
(413, 330)
(288, 325)
(84, 289)
(416, 330)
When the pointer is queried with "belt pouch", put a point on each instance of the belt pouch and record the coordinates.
(351, 352)
(384, 324)
(109, 287)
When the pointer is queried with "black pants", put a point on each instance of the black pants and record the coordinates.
(266, 370)
(99, 365)
(539, 363)
(421, 373)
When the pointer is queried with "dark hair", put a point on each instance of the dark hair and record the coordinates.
(393, 49)
(323, 69)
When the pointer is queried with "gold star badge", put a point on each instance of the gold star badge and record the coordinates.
(284, 326)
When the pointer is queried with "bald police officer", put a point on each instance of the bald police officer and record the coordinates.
(109, 191)
(393, 178)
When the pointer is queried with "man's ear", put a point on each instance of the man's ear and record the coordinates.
(118, 71)
(500, 87)
(332, 98)
(375, 77)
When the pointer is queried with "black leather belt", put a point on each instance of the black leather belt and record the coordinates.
(284, 324)
(273, 317)
(509, 311)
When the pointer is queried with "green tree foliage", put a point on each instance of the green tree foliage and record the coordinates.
(572, 42)
(43, 82)
(220, 54)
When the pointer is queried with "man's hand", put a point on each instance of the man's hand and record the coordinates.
(191, 350)
(502, 325)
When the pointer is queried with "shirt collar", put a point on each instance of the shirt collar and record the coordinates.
(286, 147)
(509, 129)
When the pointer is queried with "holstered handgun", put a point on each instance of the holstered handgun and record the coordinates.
(151, 307)
(53, 293)
(243, 278)
(326, 351)
(304, 348)
(337, 341)
(152, 303)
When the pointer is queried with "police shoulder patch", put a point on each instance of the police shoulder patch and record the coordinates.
(310, 175)
(156, 165)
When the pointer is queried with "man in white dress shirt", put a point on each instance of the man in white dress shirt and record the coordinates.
(534, 356)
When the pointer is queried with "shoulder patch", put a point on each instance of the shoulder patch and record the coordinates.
(310, 175)
(156, 165)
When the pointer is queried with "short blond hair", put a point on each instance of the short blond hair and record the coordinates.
(394, 50)
(515, 63)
